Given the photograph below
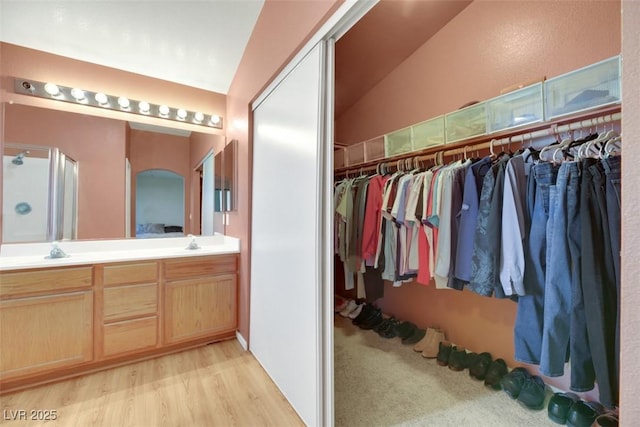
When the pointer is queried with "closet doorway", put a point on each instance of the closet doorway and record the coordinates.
(451, 54)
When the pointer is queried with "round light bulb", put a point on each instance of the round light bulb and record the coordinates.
(164, 110)
(101, 98)
(215, 120)
(123, 102)
(78, 94)
(181, 114)
(198, 117)
(144, 107)
(52, 89)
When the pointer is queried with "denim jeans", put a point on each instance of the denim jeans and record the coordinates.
(529, 317)
(612, 169)
(598, 281)
(562, 276)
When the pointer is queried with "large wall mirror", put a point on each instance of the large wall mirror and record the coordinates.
(133, 180)
(225, 179)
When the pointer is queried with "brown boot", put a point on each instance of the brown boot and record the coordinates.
(431, 350)
(422, 344)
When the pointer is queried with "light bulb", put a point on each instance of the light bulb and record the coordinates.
(198, 117)
(101, 98)
(123, 102)
(78, 94)
(52, 89)
(144, 107)
(214, 120)
(164, 110)
(181, 114)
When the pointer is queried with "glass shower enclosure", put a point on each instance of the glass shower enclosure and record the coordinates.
(39, 194)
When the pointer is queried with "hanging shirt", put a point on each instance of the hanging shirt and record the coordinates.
(373, 219)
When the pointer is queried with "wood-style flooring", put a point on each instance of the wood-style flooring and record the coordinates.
(215, 385)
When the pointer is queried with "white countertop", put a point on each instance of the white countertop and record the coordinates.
(32, 255)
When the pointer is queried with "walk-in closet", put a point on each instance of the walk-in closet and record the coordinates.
(477, 154)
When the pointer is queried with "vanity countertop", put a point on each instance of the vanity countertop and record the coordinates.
(32, 255)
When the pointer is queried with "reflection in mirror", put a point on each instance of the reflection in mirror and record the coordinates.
(106, 198)
(39, 194)
(218, 198)
(159, 204)
(229, 180)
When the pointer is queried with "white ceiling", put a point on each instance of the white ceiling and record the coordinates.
(195, 43)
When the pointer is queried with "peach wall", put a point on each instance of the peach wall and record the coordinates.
(17, 61)
(489, 46)
(150, 150)
(97, 144)
(630, 321)
(281, 29)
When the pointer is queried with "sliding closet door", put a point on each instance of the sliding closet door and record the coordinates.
(287, 235)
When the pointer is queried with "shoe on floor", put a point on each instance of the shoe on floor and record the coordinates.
(422, 344)
(351, 305)
(390, 331)
(458, 359)
(417, 335)
(355, 312)
(339, 304)
(444, 351)
(533, 394)
(496, 372)
(432, 347)
(372, 321)
(405, 329)
(582, 414)
(608, 419)
(366, 311)
(559, 405)
(512, 382)
(480, 366)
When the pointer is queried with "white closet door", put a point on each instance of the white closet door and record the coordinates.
(286, 239)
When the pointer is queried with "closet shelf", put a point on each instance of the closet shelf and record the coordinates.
(586, 119)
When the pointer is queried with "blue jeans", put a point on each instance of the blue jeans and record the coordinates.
(562, 276)
(529, 317)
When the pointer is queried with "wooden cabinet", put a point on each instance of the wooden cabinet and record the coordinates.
(130, 308)
(200, 297)
(45, 332)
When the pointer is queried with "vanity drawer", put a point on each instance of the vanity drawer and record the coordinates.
(176, 269)
(140, 272)
(130, 301)
(43, 281)
(130, 335)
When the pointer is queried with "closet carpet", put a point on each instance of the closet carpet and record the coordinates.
(380, 382)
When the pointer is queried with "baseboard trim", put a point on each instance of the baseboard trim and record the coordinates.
(242, 341)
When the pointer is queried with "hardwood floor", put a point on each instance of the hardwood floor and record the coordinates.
(215, 385)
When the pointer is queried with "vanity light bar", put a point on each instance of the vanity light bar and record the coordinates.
(117, 103)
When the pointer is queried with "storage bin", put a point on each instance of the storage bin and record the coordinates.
(594, 86)
(518, 108)
(427, 134)
(355, 154)
(466, 123)
(398, 142)
(374, 149)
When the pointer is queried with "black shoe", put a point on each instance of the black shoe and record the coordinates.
(559, 405)
(533, 393)
(390, 331)
(364, 313)
(581, 414)
(496, 372)
(607, 420)
(458, 359)
(471, 360)
(384, 325)
(405, 329)
(416, 336)
(372, 321)
(512, 382)
(479, 369)
(444, 352)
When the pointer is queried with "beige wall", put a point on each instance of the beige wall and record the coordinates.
(280, 31)
(630, 321)
(97, 144)
(487, 47)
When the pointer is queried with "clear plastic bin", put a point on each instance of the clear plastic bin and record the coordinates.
(374, 149)
(428, 134)
(594, 86)
(355, 154)
(521, 107)
(398, 142)
(339, 155)
(466, 123)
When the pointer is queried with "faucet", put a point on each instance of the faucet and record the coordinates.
(192, 244)
(56, 252)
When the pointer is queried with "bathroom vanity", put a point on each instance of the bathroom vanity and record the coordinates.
(110, 303)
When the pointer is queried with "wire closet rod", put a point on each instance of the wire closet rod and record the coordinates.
(540, 130)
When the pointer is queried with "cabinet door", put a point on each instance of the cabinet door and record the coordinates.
(43, 333)
(197, 308)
